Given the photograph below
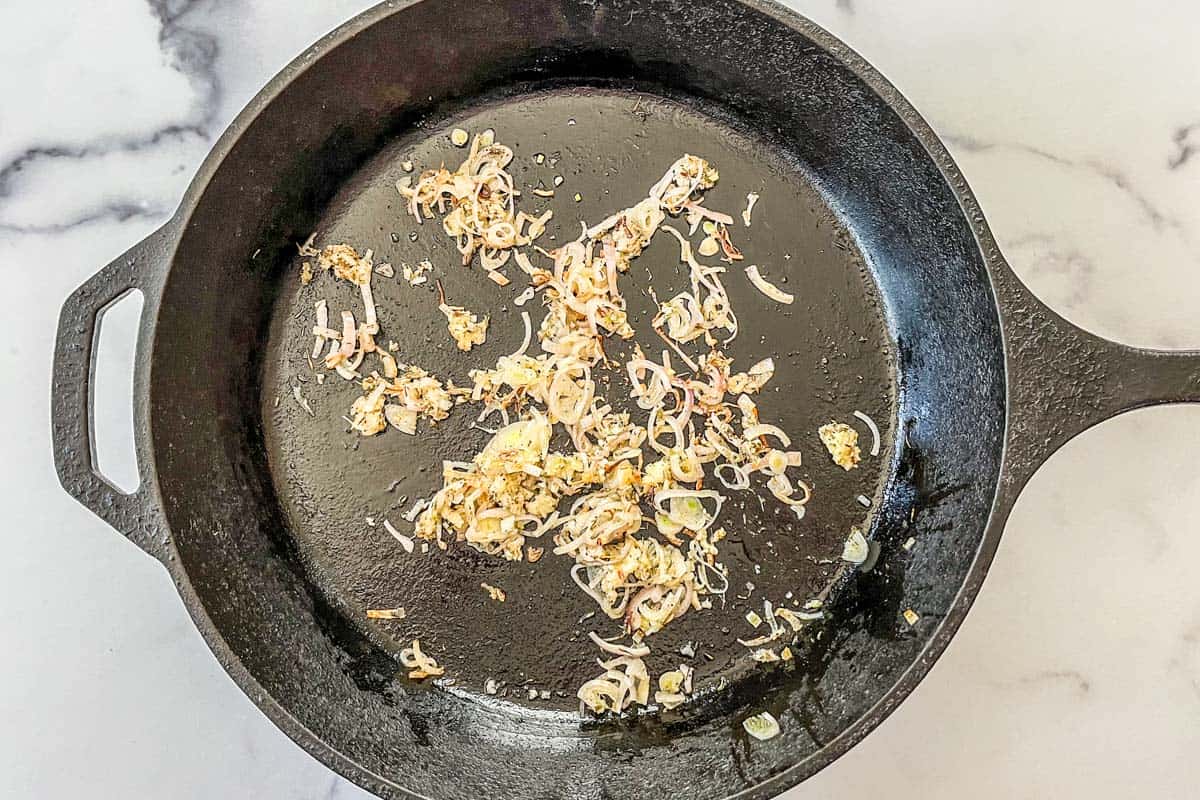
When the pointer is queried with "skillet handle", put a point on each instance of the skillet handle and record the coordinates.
(136, 514)
(1063, 380)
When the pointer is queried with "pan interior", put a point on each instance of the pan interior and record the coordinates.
(831, 350)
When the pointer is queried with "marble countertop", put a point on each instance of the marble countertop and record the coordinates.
(1076, 675)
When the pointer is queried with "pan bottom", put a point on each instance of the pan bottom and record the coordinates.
(599, 149)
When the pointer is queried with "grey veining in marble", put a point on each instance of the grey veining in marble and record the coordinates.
(1076, 675)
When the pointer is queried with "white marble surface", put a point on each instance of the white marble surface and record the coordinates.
(1078, 673)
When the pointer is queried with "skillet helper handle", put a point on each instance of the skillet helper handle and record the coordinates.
(134, 514)
(1063, 380)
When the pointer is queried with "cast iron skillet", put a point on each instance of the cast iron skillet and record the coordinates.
(906, 310)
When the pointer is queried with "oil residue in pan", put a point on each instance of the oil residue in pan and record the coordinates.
(830, 346)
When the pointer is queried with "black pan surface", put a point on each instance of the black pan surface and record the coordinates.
(831, 350)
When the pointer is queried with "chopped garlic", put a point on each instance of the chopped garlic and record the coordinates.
(465, 328)
(761, 726)
(856, 550)
(842, 443)
(671, 681)
(346, 263)
(416, 275)
(402, 419)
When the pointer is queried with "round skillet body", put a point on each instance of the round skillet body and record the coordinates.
(895, 315)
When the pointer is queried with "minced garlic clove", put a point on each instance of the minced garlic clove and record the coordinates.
(842, 443)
